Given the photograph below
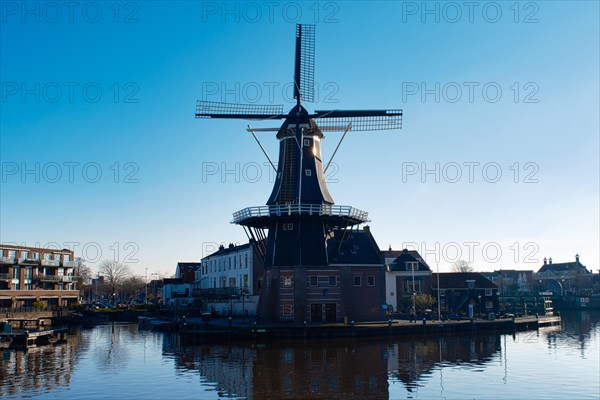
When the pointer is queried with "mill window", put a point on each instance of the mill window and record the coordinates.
(287, 281)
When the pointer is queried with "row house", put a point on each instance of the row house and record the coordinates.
(406, 275)
(31, 274)
(229, 280)
(178, 290)
(465, 293)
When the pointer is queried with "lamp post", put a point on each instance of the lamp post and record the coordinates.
(412, 268)
(438, 292)
(243, 305)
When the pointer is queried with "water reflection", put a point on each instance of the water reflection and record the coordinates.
(365, 368)
(411, 361)
(341, 368)
(118, 361)
(39, 369)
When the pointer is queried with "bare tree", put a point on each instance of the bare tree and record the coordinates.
(132, 286)
(462, 266)
(84, 275)
(84, 278)
(114, 274)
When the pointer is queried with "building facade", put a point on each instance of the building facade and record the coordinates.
(465, 293)
(229, 280)
(42, 275)
(179, 290)
(564, 279)
(406, 275)
(349, 288)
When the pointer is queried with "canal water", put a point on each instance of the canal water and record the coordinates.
(121, 361)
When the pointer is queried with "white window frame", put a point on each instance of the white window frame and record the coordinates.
(371, 277)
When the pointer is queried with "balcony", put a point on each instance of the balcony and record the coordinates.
(28, 261)
(51, 263)
(334, 214)
(69, 264)
(7, 260)
(50, 278)
(69, 278)
(217, 293)
(5, 277)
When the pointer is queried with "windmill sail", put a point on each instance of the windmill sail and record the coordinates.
(359, 120)
(304, 67)
(213, 109)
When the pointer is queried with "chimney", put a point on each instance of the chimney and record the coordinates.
(576, 258)
(550, 260)
(221, 247)
(545, 261)
(405, 250)
(390, 249)
(231, 246)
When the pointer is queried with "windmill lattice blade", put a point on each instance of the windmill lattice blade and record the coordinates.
(304, 73)
(361, 120)
(214, 109)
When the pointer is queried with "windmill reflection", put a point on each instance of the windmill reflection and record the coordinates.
(329, 368)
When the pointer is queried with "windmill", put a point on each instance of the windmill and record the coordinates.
(293, 229)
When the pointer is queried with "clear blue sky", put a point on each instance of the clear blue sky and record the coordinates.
(497, 88)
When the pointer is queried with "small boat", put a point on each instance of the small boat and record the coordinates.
(155, 324)
(161, 325)
(145, 322)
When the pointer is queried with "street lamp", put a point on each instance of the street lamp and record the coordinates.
(412, 268)
(438, 293)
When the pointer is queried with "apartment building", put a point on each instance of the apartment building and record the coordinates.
(31, 274)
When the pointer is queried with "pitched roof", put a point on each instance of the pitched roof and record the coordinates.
(227, 250)
(358, 247)
(187, 265)
(186, 270)
(458, 280)
(571, 267)
(404, 256)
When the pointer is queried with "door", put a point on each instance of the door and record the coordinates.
(331, 312)
(316, 312)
